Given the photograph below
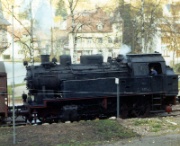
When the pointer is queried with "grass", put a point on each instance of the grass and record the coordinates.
(16, 85)
(104, 131)
(109, 129)
(154, 125)
(141, 122)
(10, 89)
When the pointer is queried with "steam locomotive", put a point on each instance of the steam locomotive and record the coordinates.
(65, 91)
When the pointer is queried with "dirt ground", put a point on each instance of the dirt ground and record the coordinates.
(84, 133)
(156, 131)
(61, 134)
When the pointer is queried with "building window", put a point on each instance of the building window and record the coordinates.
(117, 27)
(89, 40)
(6, 56)
(100, 40)
(78, 40)
(83, 40)
(117, 40)
(99, 27)
(21, 52)
(109, 40)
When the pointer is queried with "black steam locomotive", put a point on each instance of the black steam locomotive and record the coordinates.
(69, 91)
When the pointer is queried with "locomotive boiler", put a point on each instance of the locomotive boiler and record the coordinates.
(66, 91)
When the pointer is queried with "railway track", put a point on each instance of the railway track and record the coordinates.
(175, 111)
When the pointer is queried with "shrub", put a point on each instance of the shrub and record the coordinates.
(177, 68)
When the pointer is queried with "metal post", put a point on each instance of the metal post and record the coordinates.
(118, 101)
(14, 128)
(52, 26)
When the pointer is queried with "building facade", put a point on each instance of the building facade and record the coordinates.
(94, 33)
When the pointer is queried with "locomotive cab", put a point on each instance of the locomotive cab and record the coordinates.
(165, 82)
(141, 64)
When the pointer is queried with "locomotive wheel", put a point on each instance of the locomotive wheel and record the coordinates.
(74, 116)
(70, 116)
(140, 110)
(48, 118)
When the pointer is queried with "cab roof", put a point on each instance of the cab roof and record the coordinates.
(154, 57)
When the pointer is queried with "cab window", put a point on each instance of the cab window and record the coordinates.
(156, 66)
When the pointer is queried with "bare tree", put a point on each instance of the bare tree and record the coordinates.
(140, 22)
(21, 36)
(72, 5)
(3, 31)
(71, 8)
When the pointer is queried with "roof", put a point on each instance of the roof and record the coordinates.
(90, 20)
(154, 57)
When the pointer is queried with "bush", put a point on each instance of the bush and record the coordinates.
(177, 68)
(36, 59)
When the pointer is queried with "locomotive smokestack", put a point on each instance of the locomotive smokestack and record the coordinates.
(44, 58)
(65, 60)
(120, 58)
